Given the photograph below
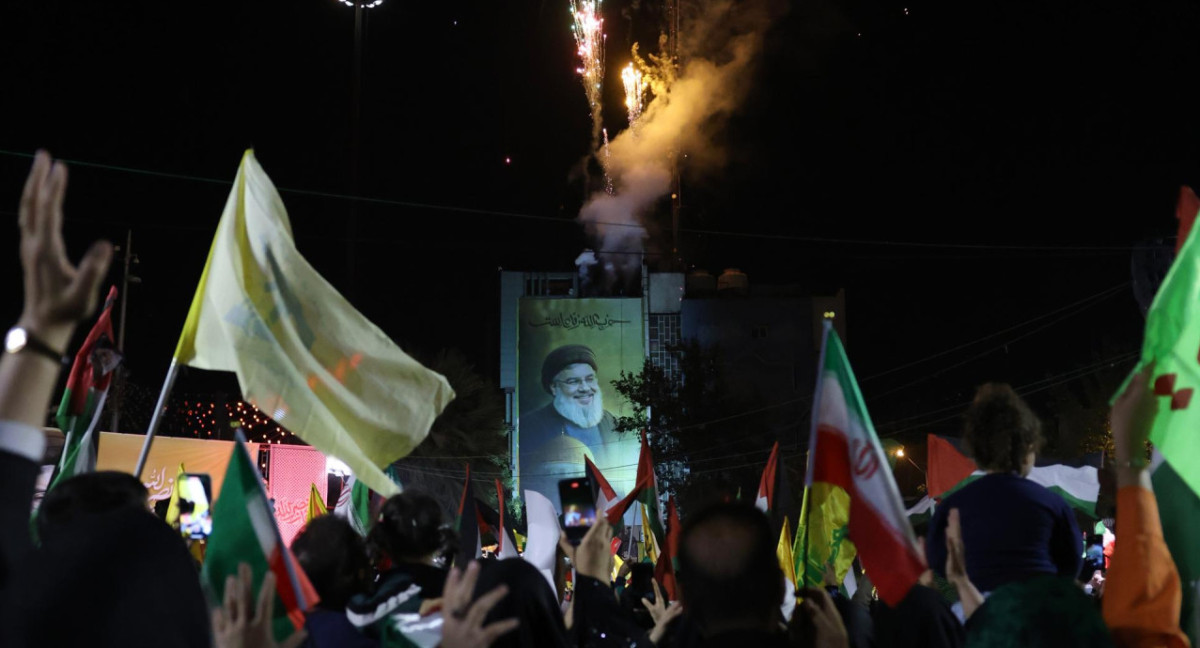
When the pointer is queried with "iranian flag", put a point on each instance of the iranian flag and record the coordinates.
(354, 504)
(83, 401)
(844, 452)
(766, 485)
(244, 531)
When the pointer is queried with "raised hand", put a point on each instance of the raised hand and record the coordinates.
(233, 624)
(57, 293)
(827, 623)
(462, 620)
(1132, 417)
(593, 556)
(662, 613)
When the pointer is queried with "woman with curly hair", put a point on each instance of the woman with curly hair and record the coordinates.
(1013, 528)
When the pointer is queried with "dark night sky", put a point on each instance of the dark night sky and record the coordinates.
(1065, 124)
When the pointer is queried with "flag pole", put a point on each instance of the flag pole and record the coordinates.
(156, 419)
(812, 437)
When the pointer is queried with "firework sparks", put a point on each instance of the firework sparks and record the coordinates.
(589, 38)
(608, 183)
(635, 92)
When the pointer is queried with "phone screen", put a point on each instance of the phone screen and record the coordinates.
(578, 507)
(195, 506)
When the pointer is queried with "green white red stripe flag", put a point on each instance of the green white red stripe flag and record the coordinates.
(844, 451)
(766, 486)
(83, 400)
(244, 531)
(354, 504)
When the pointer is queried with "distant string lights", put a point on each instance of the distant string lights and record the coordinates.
(202, 419)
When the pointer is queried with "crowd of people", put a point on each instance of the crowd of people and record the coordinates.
(106, 571)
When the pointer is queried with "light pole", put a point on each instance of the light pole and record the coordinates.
(900, 454)
(360, 17)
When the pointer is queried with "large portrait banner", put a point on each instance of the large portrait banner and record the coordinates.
(568, 353)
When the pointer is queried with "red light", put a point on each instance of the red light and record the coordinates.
(574, 484)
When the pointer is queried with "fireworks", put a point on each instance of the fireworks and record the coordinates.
(589, 38)
(635, 92)
(608, 183)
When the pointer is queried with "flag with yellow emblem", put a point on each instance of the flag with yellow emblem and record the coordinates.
(301, 352)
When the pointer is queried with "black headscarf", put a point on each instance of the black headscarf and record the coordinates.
(530, 600)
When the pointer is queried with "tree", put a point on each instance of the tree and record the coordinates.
(705, 435)
(470, 430)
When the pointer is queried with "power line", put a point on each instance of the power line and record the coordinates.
(1024, 390)
(571, 221)
(988, 351)
(1100, 295)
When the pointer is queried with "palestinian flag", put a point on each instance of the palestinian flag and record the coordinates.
(467, 524)
(244, 531)
(492, 521)
(950, 469)
(844, 452)
(605, 495)
(354, 504)
(83, 401)
(645, 492)
(921, 511)
(766, 485)
(316, 505)
(668, 562)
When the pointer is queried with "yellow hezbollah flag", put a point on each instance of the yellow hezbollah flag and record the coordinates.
(824, 527)
(301, 352)
(651, 542)
(783, 551)
(172, 518)
(316, 506)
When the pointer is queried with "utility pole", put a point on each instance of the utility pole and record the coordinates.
(676, 186)
(126, 278)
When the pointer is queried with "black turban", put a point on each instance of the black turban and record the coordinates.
(563, 357)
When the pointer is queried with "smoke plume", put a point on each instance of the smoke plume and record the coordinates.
(718, 47)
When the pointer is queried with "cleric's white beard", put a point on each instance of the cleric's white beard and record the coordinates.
(585, 416)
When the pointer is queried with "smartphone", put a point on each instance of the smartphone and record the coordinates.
(195, 506)
(578, 507)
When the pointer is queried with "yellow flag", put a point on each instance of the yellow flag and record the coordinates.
(617, 564)
(651, 544)
(316, 505)
(302, 353)
(172, 518)
(784, 552)
(827, 525)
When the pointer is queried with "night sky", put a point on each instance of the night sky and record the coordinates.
(1027, 147)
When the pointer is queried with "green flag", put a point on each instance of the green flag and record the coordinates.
(244, 531)
(1172, 343)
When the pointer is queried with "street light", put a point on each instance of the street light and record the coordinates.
(900, 455)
